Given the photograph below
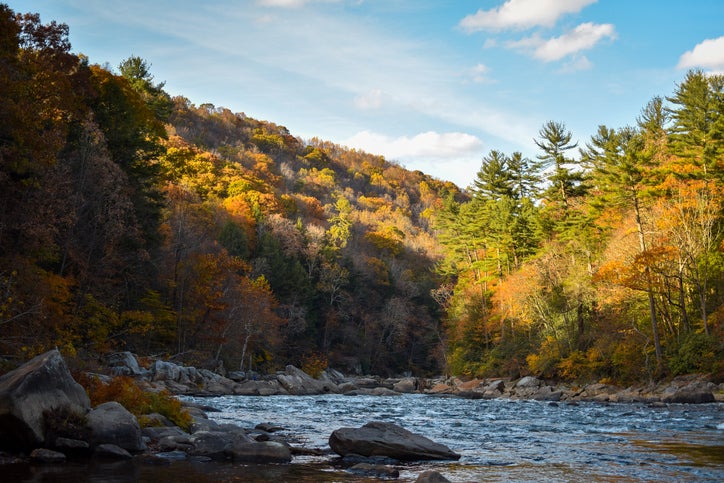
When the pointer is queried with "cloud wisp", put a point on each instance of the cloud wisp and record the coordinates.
(583, 37)
(522, 14)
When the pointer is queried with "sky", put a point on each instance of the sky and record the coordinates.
(434, 85)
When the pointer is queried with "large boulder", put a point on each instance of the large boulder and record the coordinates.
(694, 393)
(387, 439)
(297, 382)
(30, 393)
(111, 423)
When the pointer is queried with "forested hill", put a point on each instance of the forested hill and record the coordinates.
(131, 220)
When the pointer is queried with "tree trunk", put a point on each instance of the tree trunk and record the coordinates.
(649, 290)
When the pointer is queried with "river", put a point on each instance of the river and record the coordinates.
(499, 440)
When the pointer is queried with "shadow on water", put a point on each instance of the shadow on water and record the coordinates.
(177, 471)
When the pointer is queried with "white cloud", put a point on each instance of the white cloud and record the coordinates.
(288, 3)
(522, 14)
(433, 145)
(369, 100)
(583, 37)
(708, 54)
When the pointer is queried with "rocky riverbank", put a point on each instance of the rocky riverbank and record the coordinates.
(692, 389)
(46, 416)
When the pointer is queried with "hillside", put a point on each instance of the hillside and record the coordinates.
(131, 220)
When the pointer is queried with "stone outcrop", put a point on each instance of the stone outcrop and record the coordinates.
(387, 439)
(29, 393)
(297, 382)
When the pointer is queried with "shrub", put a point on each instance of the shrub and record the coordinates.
(314, 364)
(125, 391)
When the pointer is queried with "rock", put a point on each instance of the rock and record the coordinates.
(472, 385)
(218, 444)
(387, 439)
(260, 453)
(406, 385)
(547, 393)
(494, 389)
(528, 382)
(377, 391)
(297, 382)
(155, 419)
(112, 451)
(173, 455)
(440, 388)
(431, 477)
(41, 385)
(156, 433)
(213, 444)
(259, 388)
(71, 446)
(374, 471)
(175, 442)
(689, 395)
(111, 423)
(203, 424)
(268, 427)
(43, 455)
(165, 371)
(124, 364)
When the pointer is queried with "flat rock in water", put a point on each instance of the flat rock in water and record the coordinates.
(43, 455)
(261, 452)
(387, 439)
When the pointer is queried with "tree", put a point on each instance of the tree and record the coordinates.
(138, 73)
(554, 140)
(622, 170)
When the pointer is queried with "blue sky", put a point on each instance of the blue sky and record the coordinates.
(432, 84)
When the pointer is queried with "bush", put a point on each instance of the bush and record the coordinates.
(125, 391)
(698, 352)
(314, 364)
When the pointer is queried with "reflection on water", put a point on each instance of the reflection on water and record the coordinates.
(499, 441)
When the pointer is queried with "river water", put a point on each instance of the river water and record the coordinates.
(505, 440)
(499, 440)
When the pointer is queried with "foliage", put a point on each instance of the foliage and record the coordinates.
(138, 402)
(314, 364)
(132, 220)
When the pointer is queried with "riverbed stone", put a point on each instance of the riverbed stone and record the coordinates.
(387, 439)
(27, 394)
(111, 423)
(375, 471)
(431, 476)
(111, 451)
(44, 455)
(260, 452)
(406, 385)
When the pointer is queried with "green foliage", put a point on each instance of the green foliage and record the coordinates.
(697, 353)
